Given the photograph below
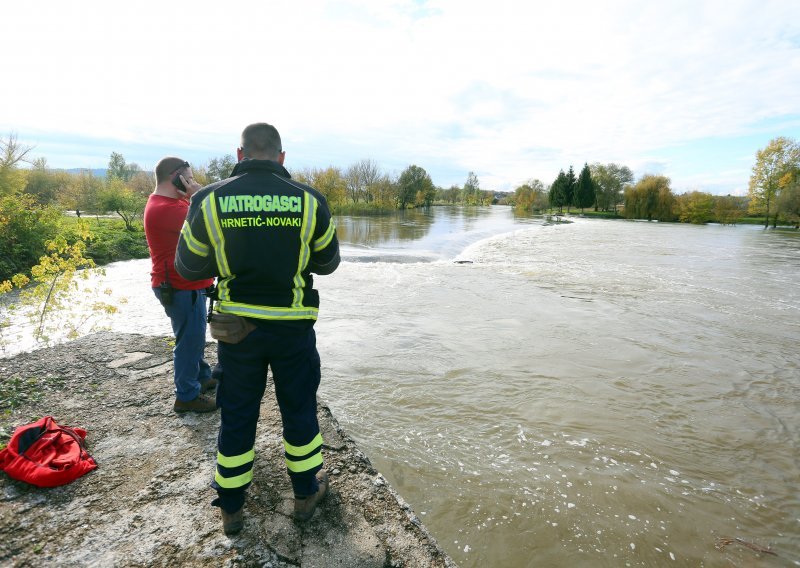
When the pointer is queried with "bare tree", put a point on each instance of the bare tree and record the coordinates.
(12, 152)
(360, 179)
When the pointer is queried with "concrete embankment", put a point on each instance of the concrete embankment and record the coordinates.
(148, 503)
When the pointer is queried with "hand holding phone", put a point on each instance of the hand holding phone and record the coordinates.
(178, 183)
(185, 184)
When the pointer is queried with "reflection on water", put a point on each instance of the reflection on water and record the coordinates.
(371, 231)
(421, 235)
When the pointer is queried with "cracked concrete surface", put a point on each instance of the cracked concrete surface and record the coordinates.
(148, 503)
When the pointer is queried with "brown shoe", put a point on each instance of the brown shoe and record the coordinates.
(304, 507)
(209, 384)
(232, 523)
(199, 404)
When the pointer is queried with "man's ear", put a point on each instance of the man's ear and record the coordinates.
(239, 154)
(281, 157)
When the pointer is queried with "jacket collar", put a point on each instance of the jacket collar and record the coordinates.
(268, 166)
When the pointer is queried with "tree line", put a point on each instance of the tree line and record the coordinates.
(39, 244)
(773, 192)
(362, 186)
(32, 197)
(599, 186)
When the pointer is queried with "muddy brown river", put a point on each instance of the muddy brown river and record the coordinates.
(599, 393)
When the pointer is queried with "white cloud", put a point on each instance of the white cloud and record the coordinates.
(507, 89)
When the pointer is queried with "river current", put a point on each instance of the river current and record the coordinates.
(594, 393)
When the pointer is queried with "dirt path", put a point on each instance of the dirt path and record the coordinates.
(148, 503)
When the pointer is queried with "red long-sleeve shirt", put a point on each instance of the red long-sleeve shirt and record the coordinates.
(163, 219)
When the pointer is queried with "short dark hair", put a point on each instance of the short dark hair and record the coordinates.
(261, 141)
(168, 166)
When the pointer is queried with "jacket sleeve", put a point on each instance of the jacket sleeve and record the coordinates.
(194, 257)
(325, 249)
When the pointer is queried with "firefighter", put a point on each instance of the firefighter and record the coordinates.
(263, 235)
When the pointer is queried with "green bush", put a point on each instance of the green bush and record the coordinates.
(25, 227)
(112, 242)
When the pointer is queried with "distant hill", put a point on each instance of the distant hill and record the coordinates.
(96, 172)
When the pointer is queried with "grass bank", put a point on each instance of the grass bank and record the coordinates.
(110, 241)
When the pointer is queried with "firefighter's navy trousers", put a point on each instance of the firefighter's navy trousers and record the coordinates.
(292, 355)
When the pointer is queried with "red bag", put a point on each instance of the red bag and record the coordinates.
(46, 454)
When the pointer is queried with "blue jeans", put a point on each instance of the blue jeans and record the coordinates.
(188, 316)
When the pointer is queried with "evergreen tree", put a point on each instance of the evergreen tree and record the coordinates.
(558, 191)
(570, 185)
(584, 194)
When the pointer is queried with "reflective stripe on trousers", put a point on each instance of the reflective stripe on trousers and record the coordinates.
(292, 356)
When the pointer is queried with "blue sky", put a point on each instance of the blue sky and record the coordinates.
(509, 90)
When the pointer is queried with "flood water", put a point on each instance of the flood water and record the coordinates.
(598, 393)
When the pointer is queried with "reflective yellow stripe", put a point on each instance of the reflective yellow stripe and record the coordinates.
(217, 238)
(303, 450)
(236, 461)
(325, 239)
(267, 312)
(305, 465)
(195, 246)
(306, 232)
(233, 482)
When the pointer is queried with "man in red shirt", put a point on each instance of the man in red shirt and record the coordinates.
(183, 300)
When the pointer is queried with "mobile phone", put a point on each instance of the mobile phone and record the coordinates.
(176, 181)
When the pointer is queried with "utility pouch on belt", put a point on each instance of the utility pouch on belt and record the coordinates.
(166, 291)
(167, 294)
(229, 328)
